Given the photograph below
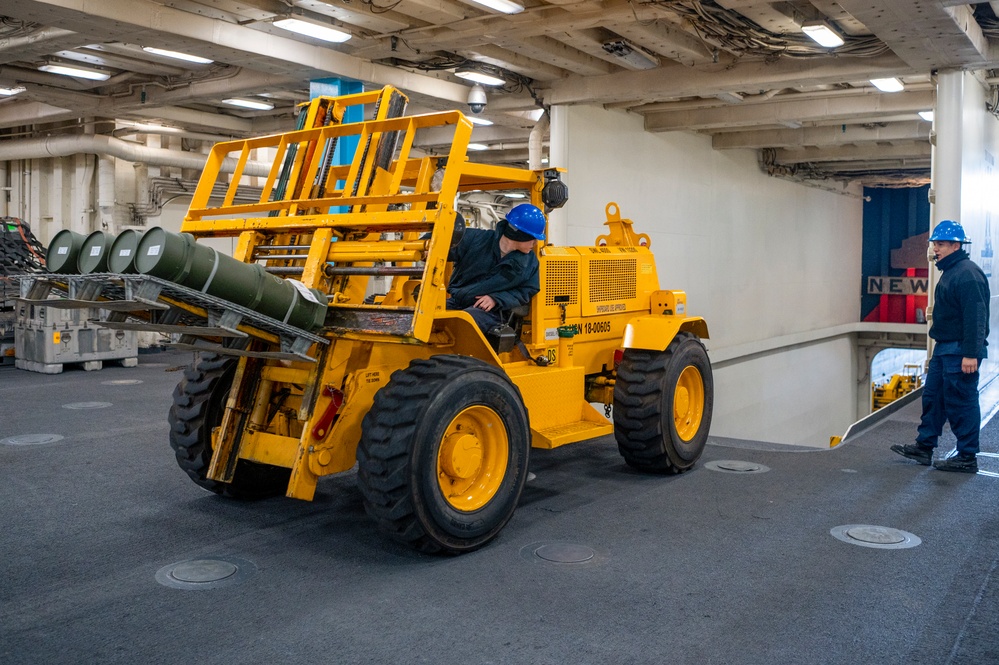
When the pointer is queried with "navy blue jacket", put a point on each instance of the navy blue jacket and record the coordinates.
(479, 270)
(961, 305)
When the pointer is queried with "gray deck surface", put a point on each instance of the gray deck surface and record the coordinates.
(705, 567)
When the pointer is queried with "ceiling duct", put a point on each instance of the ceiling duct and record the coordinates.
(630, 55)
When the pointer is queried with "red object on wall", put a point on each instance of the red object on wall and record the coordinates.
(901, 309)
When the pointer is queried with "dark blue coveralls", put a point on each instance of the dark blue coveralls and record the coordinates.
(479, 270)
(960, 328)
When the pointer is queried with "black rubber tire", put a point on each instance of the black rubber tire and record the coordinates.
(644, 395)
(401, 439)
(198, 405)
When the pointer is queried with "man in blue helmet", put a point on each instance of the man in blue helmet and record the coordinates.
(960, 328)
(497, 270)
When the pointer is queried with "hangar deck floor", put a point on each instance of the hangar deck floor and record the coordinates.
(706, 567)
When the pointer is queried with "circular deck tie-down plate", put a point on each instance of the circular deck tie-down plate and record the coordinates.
(736, 466)
(31, 439)
(87, 405)
(204, 574)
(562, 553)
(877, 537)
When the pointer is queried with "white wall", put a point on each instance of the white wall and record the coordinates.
(758, 257)
(979, 203)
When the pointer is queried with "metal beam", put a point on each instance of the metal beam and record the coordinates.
(671, 81)
(832, 108)
(913, 164)
(155, 25)
(926, 34)
(666, 40)
(848, 153)
(821, 136)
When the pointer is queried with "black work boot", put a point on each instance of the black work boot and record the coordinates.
(959, 463)
(915, 452)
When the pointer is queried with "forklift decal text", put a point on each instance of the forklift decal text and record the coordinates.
(616, 307)
(596, 327)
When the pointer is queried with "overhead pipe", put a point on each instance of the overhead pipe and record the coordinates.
(169, 131)
(105, 191)
(64, 146)
(4, 189)
(558, 156)
(535, 142)
(41, 35)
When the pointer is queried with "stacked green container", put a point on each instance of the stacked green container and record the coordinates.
(121, 258)
(178, 258)
(63, 252)
(94, 253)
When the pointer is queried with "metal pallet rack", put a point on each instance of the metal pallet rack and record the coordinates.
(205, 323)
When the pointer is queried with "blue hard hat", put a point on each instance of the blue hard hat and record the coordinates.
(950, 231)
(528, 219)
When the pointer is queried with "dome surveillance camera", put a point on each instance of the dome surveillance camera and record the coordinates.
(477, 99)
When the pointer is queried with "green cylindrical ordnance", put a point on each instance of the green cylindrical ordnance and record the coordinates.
(63, 252)
(166, 255)
(121, 258)
(177, 257)
(94, 253)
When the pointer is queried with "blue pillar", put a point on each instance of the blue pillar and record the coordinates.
(347, 145)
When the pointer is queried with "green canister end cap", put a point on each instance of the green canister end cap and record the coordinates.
(567, 331)
(63, 252)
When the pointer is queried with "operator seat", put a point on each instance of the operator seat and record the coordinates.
(504, 337)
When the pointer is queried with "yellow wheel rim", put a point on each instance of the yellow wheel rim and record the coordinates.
(688, 403)
(472, 458)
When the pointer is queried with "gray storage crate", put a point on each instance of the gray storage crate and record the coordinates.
(46, 338)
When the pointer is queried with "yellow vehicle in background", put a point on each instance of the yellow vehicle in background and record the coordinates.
(439, 417)
(885, 392)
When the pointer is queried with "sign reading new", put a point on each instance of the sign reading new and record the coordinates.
(898, 286)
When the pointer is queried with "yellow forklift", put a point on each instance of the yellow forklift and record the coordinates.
(886, 391)
(439, 417)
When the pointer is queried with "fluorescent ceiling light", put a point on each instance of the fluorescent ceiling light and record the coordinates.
(926, 115)
(474, 75)
(504, 6)
(630, 55)
(8, 92)
(249, 104)
(515, 195)
(75, 71)
(313, 29)
(822, 33)
(478, 146)
(888, 85)
(475, 120)
(177, 55)
(148, 127)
